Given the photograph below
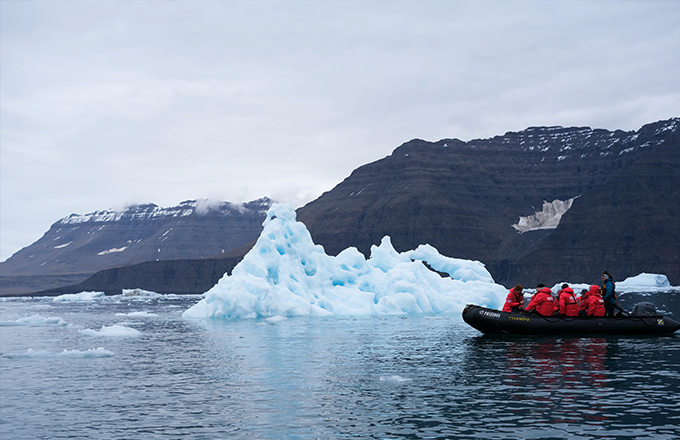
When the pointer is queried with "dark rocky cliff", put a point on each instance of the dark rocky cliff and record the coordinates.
(464, 197)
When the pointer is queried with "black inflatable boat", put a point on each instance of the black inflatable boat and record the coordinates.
(520, 323)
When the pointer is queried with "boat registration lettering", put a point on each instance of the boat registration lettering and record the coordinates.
(490, 314)
(518, 318)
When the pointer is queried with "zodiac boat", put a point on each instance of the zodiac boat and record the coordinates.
(520, 323)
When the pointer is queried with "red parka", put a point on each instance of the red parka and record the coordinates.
(543, 302)
(595, 303)
(583, 302)
(567, 303)
(513, 301)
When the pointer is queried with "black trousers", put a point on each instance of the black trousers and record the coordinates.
(609, 309)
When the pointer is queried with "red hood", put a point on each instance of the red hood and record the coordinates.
(594, 290)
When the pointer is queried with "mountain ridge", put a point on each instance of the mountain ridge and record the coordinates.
(77, 246)
(464, 198)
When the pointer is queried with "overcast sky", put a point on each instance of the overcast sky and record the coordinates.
(104, 104)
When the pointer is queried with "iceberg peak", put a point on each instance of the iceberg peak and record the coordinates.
(287, 274)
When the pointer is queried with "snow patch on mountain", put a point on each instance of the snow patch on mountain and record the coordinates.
(548, 218)
(111, 251)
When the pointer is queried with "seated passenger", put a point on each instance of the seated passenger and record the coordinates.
(595, 303)
(542, 301)
(567, 304)
(515, 299)
(582, 303)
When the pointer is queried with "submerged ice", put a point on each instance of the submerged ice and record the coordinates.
(286, 274)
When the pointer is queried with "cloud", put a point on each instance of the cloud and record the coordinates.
(103, 103)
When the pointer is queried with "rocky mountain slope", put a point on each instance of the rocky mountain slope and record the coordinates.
(77, 246)
(546, 204)
(464, 198)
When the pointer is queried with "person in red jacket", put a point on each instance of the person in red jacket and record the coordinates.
(595, 303)
(567, 303)
(543, 301)
(515, 299)
(582, 302)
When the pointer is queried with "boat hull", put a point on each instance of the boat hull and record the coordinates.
(519, 323)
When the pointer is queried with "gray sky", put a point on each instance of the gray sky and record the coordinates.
(104, 104)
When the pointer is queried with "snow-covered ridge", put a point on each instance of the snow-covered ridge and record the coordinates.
(580, 141)
(184, 209)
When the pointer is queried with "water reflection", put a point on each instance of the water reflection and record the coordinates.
(579, 384)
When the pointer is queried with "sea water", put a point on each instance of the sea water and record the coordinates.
(132, 368)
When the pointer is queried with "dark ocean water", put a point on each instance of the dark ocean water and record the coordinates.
(413, 377)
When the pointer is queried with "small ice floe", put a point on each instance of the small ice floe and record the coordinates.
(394, 378)
(115, 330)
(140, 293)
(138, 314)
(36, 320)
(276, 319)
(76, 297)
(99, 352)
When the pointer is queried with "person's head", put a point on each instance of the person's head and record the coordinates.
(584, 292)
(565, 285)
(606, 276)
(594, 290)
(539, 287)
(519, 288)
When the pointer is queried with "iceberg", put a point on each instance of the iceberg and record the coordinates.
(645, 282)
(286, 274)
(115, 330)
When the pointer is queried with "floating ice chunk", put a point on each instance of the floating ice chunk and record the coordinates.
(138, 314)
(37, 319)
(99, 352)
(286, 274)
(140, 293)
(394, 378)
(82, 296)
(112, 331)
(645, 282)
(276, 319)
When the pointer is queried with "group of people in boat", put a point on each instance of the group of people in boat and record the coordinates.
(596, 301)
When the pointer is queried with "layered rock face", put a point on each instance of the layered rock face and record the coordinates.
(79, 245)
(464, 198)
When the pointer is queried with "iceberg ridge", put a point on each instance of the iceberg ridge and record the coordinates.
(286, 274)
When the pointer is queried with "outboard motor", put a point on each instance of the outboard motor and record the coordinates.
(644, 309)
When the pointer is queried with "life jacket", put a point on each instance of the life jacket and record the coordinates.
(513, 301)
(583, 301)
(567, 303)
(603, 291)
(543, 302)
(595, 303)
